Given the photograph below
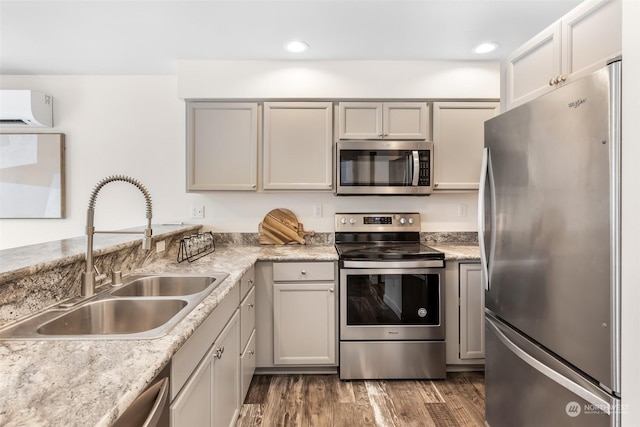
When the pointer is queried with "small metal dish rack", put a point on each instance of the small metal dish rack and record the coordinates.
(196, 246)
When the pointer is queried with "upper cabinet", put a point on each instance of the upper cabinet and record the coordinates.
(458, 140)
(383, 120)
(578, 44)
(298, 147)
(222, 146)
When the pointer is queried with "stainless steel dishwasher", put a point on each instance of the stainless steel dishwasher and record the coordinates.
(151, 407)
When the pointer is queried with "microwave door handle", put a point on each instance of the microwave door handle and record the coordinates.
(416, 168)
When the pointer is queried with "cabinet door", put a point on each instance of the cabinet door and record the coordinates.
(304, 323)
(192, 406)
(405, 120)
(298, 148)
(471, 312)
(528, 70)
(360, 120)
(226, 375)
(222, 146)
(458, 137)
(389, 120)
(591, 35)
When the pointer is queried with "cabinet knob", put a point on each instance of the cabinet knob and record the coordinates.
(251, 352)
(250, 282)
(563, 78)
(303, 272)
(250, 305)
(219, 352)
(552, 81)
(331, 290)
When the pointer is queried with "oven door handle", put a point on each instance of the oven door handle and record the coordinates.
(434, 263)
(416, 168)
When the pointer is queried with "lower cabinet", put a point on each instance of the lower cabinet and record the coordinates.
(471, 312)
(303, 323)
(211, 396)
(464, 315)
(296, 316)
(205, 372)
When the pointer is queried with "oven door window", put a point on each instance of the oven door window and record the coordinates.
(374, 168)
(392, 299)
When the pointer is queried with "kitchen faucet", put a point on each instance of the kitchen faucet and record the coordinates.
(89, 274)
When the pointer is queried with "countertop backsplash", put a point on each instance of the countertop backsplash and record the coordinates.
(323, 239)
(456, 237)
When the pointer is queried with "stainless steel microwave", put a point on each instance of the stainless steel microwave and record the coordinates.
(384, 167)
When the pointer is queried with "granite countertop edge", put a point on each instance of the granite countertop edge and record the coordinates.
(101, 378)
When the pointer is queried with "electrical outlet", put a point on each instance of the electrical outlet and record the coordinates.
(160, 246)
(462, 210)
(317, 211)
(197, 212)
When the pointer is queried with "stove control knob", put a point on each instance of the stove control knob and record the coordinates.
(402, 221)
(352, 221)
(343, 220)
(410, 221)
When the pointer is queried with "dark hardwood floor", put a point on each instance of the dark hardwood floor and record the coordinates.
(324, 400)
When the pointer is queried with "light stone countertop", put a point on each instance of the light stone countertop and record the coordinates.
(90, 382)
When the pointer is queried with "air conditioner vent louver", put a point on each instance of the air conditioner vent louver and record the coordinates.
(20, 108)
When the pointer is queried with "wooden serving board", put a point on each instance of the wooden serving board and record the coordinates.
(280, 227)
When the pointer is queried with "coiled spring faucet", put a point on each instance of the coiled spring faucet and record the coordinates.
(89, 275)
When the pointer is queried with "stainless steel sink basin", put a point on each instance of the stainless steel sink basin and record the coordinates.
(114, 316)
(144, 307)
(164, 286)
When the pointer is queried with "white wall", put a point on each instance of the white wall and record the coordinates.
(338, 79)
(134, 125)
(630, 213)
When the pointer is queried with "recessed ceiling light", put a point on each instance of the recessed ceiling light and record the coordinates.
(485, 47)
(296, 46)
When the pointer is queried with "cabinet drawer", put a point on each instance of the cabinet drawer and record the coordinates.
(248, 365)
(247, 281)
(247, 317)
(301, 271)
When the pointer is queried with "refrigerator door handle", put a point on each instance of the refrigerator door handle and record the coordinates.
(547, 371)
(485, 176)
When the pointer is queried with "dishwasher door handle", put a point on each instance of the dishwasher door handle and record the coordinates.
(148, 407)
(159, 405)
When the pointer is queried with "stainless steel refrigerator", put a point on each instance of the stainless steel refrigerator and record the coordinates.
(549, 221)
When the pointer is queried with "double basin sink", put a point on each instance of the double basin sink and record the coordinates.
(143, 307)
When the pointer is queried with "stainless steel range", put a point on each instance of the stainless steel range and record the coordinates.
(391, 298)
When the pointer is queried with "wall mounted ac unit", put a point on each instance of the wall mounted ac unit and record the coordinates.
(25, 108)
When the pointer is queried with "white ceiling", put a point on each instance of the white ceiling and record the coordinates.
(149, 36)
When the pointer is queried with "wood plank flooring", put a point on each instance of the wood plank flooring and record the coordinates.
(325, 401)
